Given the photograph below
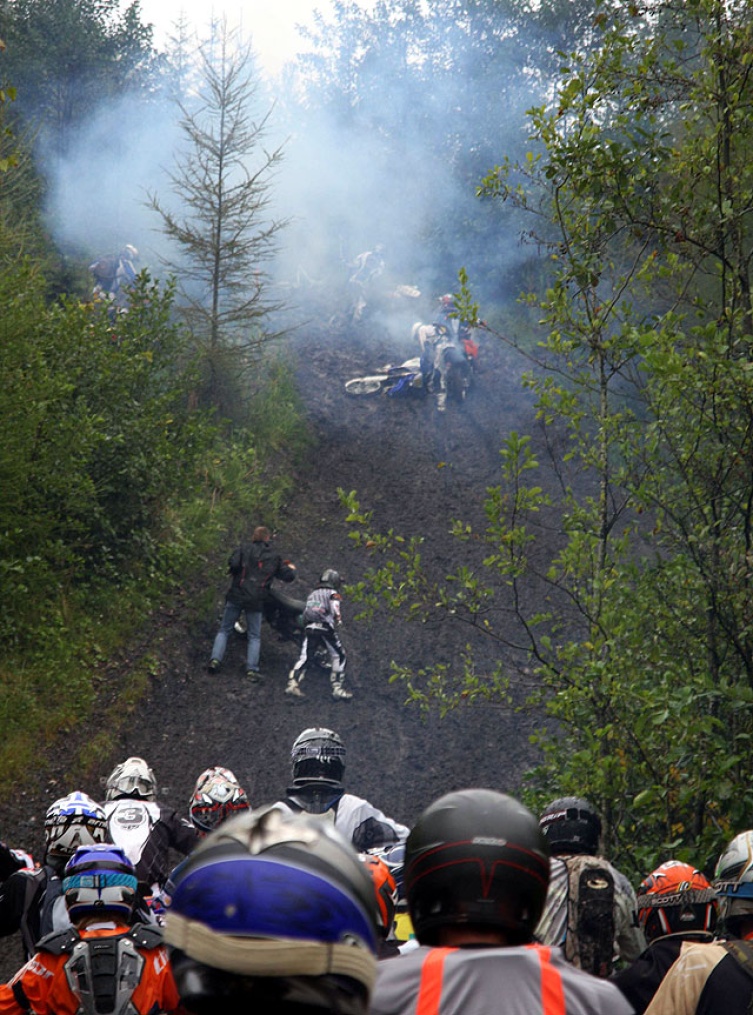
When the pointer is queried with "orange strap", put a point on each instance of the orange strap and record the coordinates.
(552, 994)
(430, 989)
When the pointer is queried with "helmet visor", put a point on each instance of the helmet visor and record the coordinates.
(135, 785)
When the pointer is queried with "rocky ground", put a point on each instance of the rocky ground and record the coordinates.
(416, 469)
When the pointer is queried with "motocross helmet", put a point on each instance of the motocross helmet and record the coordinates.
(217, 795)
(385, 890)
(99, 879)
(318, 756)
(733, 881)
(133, 778)
(330, 579)
(130, 252)
(476, 857)
(72, 821)
(273, 912)
(676, 899)
(318, 753)
(571, 825)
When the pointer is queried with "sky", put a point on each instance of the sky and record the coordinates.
(271, 24)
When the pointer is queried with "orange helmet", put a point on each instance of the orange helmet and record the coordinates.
(385, 891)
(676, 899)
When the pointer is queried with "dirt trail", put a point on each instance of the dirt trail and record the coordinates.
(416, 469)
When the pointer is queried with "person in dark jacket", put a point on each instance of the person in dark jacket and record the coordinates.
(253, 567)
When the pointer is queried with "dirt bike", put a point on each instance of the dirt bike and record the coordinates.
(284, 614)
(393, 379)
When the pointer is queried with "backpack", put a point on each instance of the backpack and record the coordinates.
(104, 271)
(243, 565)
(589, 938)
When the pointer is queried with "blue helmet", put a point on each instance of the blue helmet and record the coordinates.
(274, 908)
(99, 879)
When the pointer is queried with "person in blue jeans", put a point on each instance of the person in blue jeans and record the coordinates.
(253, 567)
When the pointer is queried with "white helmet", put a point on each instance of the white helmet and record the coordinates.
(217, 796)
(733, 879)
(72, 821)
(132, 778)
(130, 252)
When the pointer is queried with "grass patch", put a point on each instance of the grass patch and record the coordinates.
(64, 683)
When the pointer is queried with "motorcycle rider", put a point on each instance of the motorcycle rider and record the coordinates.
(114, 275)
(676, 903)
(145, 829)
(31, 899)
(714, 977)
(572, 829)
(441, 352)
(253, 567)
(272, 914)
(367, 266)
(321, 618)
(217, 796)
(318, 756)
(476, 873)
(99, 964)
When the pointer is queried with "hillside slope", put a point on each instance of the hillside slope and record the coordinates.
(416, 469)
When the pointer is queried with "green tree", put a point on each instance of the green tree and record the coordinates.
(637, 628)
(98, 443)
(222, 224)
(68, 57)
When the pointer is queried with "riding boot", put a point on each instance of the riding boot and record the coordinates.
(293, 688)
(338, 691)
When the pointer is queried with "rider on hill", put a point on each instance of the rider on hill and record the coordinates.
(321, 618)
(114, 275)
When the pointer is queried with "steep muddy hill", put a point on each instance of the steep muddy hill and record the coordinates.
(416, 469)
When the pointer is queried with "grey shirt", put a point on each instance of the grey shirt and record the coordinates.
(494, 981)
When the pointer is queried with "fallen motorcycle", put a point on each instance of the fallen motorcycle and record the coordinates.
(284, 614)
(393, 379)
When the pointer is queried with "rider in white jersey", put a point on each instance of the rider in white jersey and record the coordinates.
(145, 829)
(318, 767)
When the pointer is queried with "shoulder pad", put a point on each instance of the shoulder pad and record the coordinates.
(59, 942)
(145, 935)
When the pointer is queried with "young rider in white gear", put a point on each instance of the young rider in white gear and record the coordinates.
(321, 617)
(318, 756)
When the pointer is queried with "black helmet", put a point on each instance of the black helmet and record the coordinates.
(476, 857)
(273, 912)
(330, 579)
(571, 825)
(318, 754)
